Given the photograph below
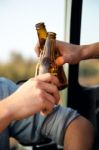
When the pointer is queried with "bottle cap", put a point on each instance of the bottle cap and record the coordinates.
(40, 25)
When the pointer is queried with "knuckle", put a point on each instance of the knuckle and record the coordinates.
(50, 76)
(37, 83)
(56, 92)
(41, 102)
(31, 79)
(41, 95)
(55, 89)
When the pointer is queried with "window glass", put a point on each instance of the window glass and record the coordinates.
(89, 69)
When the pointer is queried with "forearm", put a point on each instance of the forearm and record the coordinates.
(5, 115)
(8, 111)
(89, 51)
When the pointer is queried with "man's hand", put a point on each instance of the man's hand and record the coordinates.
(38, 94)
(69, 53)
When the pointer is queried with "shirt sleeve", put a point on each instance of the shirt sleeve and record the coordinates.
(28, 131)
(38, 129)
(55, 124)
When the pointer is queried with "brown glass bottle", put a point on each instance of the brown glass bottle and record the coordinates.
(47, 60)
(42, 34)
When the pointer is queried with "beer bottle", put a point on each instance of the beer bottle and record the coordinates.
(42, 34)
(48, 54)
(47, 62)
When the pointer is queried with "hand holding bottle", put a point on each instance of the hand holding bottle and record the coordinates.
(48, 55)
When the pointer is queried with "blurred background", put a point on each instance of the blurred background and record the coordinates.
(18, 37)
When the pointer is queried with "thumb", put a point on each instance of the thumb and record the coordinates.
(60, 60)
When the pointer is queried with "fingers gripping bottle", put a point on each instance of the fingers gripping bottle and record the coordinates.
(48, 54)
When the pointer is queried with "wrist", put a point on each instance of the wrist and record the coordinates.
(89, 51)
(11, 107)
(84, 52)
(5, 115)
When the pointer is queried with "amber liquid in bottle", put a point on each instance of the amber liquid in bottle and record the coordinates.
(48, 54)
(42, 34)
(47, 61)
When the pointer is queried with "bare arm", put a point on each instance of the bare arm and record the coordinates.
(72, 54)
(5, 116)
(90, 51)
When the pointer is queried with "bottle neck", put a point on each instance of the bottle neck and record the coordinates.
(42, 34)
